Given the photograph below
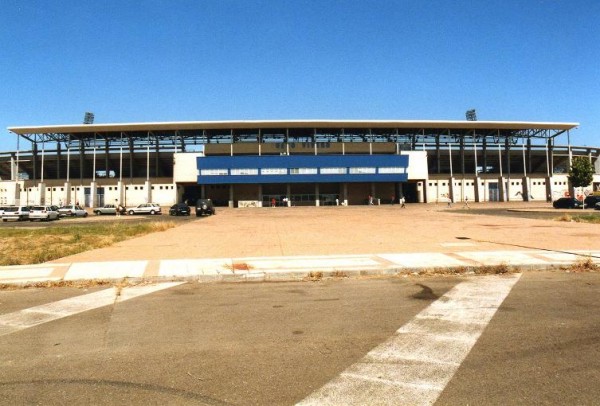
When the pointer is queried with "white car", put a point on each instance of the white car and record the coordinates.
(72, 210)
(17, 213)
(43, 213)
(145, 208)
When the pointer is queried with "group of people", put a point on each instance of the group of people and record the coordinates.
(401, 201)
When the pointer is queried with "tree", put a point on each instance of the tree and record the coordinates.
(581, 173)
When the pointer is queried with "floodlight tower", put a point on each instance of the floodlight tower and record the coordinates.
(88, 118)
(471, 115)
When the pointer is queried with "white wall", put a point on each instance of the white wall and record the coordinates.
(417, 164)
(185, 169)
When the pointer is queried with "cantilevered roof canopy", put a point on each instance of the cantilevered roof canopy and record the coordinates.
(266, 124)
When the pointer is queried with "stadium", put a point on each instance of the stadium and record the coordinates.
(291, 162)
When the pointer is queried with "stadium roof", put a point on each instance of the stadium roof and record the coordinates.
(265, 124)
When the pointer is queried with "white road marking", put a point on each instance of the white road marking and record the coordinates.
(414, 366)
(34, 316)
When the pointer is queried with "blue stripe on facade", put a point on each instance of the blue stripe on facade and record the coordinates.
(301, 161)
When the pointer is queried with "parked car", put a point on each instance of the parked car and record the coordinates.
(109, 209)
(17, 213)
(145, 208)
(43, 213)
(567, 203)
(2, 210)
(597, 206)
(72, 210)
(180, 209)
(204, 206)
(591, 201)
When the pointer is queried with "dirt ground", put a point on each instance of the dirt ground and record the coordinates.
(257, 232)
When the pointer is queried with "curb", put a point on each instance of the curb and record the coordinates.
(279, 269)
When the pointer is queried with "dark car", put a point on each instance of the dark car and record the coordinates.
(567, 203)
(179, 209)
(204, 206)
(591, 201)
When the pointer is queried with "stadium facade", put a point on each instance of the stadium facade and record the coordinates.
(304, 162)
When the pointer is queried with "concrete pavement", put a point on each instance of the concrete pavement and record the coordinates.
(299, 242)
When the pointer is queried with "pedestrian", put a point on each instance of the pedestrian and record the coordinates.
(466, 205)
(273, 202)
(370, 200)
(337, 201)
(449, 201)
(402, 203)
(393, 199)
(119, 210)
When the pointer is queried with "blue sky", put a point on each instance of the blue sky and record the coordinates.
(176, 60)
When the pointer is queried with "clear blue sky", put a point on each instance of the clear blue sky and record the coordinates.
(175, 60)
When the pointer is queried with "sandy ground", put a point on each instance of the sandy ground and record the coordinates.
(255, 232)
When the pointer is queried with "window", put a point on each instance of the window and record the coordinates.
(303, 171)
(213, 172)
(273, 171)
(391, 170)
(333, 171)
(244, 171)
(362, 171)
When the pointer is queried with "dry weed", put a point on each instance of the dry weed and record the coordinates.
(583, 265)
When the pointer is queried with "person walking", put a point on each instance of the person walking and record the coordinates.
(402, 203)
(466, 205)
(273, 202)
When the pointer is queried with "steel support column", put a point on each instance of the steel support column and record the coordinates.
(437, 154)
(58, 159)
(130, 142)
(484, 153)
(462, 156)
(34, 160)
(106, 160)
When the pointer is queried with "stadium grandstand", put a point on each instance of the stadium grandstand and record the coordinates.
(296, 162)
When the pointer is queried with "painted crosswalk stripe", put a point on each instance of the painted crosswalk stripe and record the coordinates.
(34, 316)
(414, 366)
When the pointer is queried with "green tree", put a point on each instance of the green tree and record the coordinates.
(581, 173)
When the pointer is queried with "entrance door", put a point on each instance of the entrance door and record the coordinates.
(493, 192)
(100, 197)
(87, 197)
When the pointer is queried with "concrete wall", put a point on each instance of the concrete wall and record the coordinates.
(184, 167)
(533, 188)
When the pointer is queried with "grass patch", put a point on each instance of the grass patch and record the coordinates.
(580, 218)
(35, 246)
